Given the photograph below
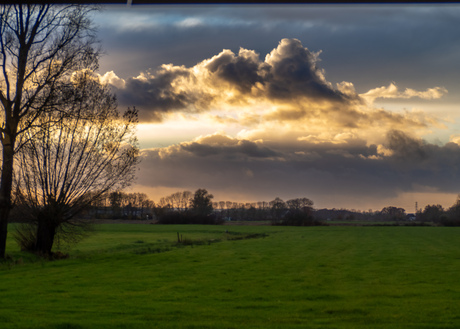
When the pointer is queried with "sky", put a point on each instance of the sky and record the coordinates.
(353, 106)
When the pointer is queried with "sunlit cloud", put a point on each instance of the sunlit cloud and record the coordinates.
(288, 74)
(455, 139)
(392, 92)
(112, 79)
(288, 87)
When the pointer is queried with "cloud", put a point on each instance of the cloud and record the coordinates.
(286, 88)
(406, 147)
(240, 71)
(221, 145)
(294, 72)
(289, 73)
(112, 79)
(168, 90)
(314, 168)
(190, 22)
(392, 92)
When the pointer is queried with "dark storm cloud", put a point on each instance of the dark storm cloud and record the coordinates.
(156, 95)
(405, 147)
(294, 72)
(243, 147)
(242, 71)
(427, 163)
(289, 71)
(314, 170)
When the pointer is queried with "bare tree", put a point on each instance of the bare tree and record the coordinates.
(143, 204)
(228, 204)
(164, 203)
(40, 47)
(75, 159)
(178, 201)
(186, 196)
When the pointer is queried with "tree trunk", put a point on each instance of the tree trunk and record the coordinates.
(46, 232)
(4, 212)
(6, 184)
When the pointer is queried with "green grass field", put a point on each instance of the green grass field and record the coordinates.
(135, 276)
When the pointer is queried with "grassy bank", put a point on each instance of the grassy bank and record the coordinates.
(137, 276)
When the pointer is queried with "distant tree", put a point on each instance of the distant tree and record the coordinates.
(299, 204)
(221, 205)
(141, 204)
(163, 203)
(432, 213)
(116, 203)
(300, 213)
(97, 203)
(178, 201)
(251, 213)
(200, 211)
(76, 159)
(184, 199)
(129, 207)
(278, 208)
(393, 213)
(201, 203)
(452, 217)
(41, 46)
(175, 199)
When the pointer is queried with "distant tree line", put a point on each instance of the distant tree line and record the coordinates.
(121, 205)
(186, 207)
(431, 215)
(300, 212)
(389, 213)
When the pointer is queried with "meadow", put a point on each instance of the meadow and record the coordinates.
(138, 276)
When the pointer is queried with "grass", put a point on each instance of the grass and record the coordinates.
(139, 276)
